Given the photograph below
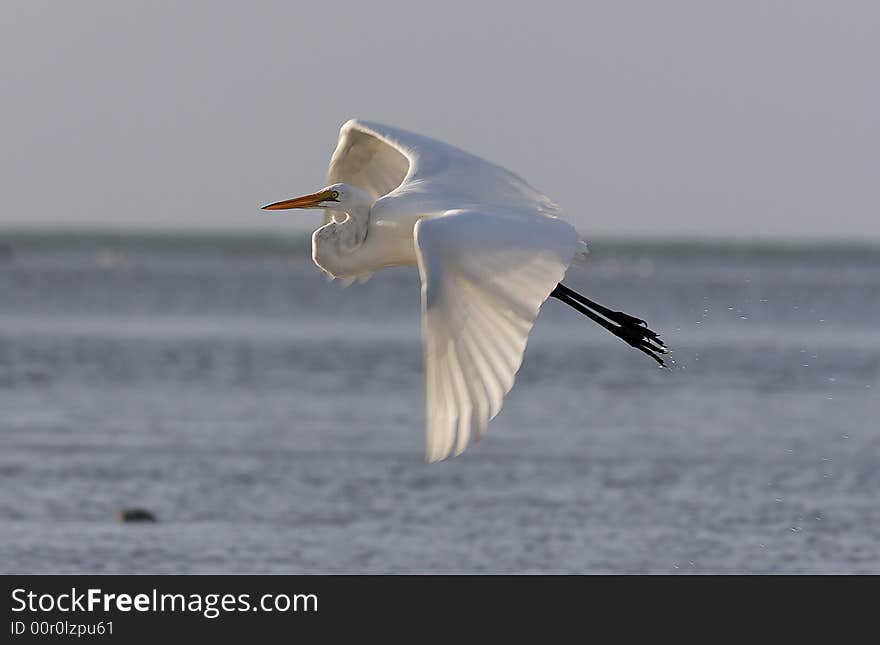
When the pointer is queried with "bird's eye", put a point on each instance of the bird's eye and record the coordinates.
(334, 194)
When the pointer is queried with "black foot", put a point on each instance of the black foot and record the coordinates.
(633, 331)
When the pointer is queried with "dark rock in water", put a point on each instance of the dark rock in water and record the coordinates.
(136, 515)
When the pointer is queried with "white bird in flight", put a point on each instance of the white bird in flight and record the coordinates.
(490, 250)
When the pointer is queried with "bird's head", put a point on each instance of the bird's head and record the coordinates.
(335, 197)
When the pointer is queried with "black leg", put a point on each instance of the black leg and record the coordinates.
(630, 329)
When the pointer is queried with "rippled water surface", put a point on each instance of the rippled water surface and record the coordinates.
(273, 422)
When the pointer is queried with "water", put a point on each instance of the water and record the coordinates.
(273, 422)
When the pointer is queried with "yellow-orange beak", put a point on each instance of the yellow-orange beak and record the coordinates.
(306, 201)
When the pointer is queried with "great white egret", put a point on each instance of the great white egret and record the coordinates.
(490, 250)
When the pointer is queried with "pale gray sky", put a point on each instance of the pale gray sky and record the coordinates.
(753, 119)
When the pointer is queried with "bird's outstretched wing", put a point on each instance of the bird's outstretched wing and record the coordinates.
(484, 276)
(382, 160)
(368, 160)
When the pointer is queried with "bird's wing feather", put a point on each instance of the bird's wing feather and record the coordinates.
(484, 277)
(385, 160)
(366, 159)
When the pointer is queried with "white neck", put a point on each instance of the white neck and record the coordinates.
(335, 243)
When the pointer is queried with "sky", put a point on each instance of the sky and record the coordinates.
(733, 119)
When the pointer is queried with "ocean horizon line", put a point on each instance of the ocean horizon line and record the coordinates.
(25, 238)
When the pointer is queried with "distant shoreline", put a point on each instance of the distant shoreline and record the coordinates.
(226, 240)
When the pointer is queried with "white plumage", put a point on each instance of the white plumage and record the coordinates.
(490, 249)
